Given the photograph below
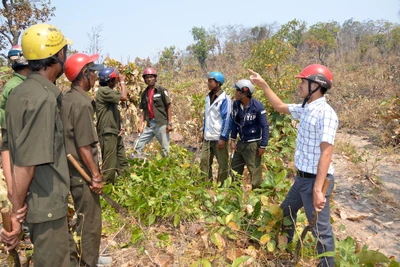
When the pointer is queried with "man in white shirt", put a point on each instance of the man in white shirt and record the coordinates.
(314, 148)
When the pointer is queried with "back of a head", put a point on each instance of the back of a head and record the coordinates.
(76, 63)
(42, 41)
(106, 75)
(16, 58)
(41, 44)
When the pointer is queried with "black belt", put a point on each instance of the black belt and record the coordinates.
(302, 174)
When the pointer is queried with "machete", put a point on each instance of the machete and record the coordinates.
(6, 217)
(85, 176)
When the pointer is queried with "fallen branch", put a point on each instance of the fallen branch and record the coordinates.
(371, 180)
(108, 243)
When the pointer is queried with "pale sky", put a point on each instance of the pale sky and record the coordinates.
(143, 28)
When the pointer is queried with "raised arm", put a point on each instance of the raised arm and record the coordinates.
(273, 99)
(124, 92)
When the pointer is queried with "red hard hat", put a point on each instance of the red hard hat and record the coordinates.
(149, 71)
(317, 73)
(75, 63)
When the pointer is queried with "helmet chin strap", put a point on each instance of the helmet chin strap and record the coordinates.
(65, 49)
(310, 92)
(87, 76)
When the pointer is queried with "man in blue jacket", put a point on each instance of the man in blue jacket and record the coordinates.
(249, 119)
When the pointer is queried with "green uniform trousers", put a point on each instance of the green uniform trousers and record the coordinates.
(50, 240)
(208, 151)
(247, 154)
(88, 225)
(113, 156)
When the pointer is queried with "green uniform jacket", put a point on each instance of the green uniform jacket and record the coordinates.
(8, 87)
(35, 138)
(77, 115)
(160, 101)
(108, 117)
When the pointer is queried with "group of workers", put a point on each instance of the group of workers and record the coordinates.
(41, 126)
(245, 123)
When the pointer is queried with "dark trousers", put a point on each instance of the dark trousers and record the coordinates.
(247, 154)
(88, 226)
(51, 243)
(208, 151)
(301, 194)
(113, 156)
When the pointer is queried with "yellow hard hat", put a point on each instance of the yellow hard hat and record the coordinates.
(42, 41)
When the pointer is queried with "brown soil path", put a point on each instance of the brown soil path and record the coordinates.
(368, 208)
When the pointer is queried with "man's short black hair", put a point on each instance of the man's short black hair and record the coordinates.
(39, 64)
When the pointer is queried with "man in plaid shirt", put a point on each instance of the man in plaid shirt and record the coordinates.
(314, 148)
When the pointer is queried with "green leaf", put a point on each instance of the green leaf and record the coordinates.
(326, 254)
(271, 245)
(152, 219)
(137, 235)
(205, 263)
(394, 264)
(177, 220)
(287, 221)
(265, 239)
(201, 263)
(240, 260)
(220, 220)
(372, 256)
(257, 210)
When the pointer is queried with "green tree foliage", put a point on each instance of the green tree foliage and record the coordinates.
(292, 32)
(395, 40)
(382, 38)
(205, 43)
(169, 59)
(259, 32)
(322, 37)
(18, 15)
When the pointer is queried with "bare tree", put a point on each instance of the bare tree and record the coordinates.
(96, 42)
(18, 15)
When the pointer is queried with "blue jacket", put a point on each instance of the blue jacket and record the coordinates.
(251, 122)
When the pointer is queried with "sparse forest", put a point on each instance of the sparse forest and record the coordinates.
(177, 219)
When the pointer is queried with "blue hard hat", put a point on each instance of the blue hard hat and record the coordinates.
(107, 74)
(218, 76)
(16, 58)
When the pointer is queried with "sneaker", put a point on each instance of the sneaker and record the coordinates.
(104, 261)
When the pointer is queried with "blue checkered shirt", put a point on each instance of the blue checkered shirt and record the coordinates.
(318, 123)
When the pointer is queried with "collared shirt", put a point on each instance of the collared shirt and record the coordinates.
(318, 124)
(77, 116)
(161, 100)
(108, 116)
(35, 137)
(8, 87)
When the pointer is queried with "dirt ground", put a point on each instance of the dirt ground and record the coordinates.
(368, 208)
